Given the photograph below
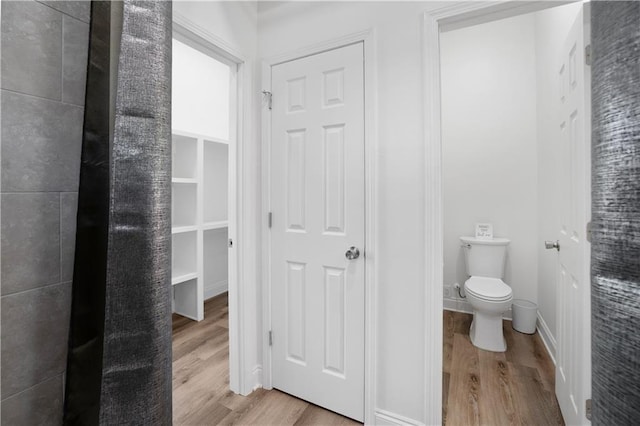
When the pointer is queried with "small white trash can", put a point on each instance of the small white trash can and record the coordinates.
(524, 314)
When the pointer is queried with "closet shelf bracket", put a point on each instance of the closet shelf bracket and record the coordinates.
(268, 97)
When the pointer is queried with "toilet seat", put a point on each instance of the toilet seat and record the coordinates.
(490, 289)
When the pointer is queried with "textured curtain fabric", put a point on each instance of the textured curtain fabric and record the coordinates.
(615, 258)
(119, 364)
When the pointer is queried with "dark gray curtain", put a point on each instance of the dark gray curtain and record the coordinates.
(615, 259)
(119, 364)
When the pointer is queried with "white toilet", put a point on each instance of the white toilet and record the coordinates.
(489, 296)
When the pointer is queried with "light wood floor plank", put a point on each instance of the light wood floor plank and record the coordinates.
(479, 388)
(496, 401)
(527, 349)
(208, 414)
(274, 408)
(447, 341)
(201, 394)
(491, 388)
(446, 379)
(245, 406)
(464, 383)
(314, 415)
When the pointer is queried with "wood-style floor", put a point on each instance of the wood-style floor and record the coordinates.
(480, 388)
(201, 394)
(515, 387)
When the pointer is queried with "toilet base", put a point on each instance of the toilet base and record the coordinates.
(486, 332)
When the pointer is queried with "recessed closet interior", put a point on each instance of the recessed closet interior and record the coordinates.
(202, 96)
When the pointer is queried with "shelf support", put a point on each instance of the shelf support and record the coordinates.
(268, 96)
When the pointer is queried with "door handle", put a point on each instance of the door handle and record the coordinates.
(353, 253)
(552, 245)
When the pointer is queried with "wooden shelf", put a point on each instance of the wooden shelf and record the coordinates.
(179, 279)
(184, 156)
(184, 180)
(183, 229)
(184, 205)
(182, 135)
(215, 225)
(215, 181)
(215, 140)
(199, 187)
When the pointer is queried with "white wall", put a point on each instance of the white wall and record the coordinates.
(489, 150)
(549, 31)
(216, 188)
(199, 92)
(268, 29)
(216, 258)
(398, 26)
(233, 22)
(552, 26)
(400, 174)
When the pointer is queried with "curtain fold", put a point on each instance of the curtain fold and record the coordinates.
(615, 256)
(119, 362)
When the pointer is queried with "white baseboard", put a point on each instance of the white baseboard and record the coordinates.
(547, 338)
(214, 289)
(257, 377)
(387, 418)
(458, 305)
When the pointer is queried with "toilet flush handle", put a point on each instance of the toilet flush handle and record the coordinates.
(552, 245)
(466, 245)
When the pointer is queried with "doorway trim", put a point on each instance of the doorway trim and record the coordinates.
(239, 363)
(367, 37)
(447, 17)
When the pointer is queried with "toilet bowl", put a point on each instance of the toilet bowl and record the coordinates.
(489, 298)
(488, 295)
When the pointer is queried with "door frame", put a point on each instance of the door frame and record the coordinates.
(239, 317)
(453, 16)
(367, 37)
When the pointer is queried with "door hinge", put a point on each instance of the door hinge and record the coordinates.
(589, 231)
(587, 408)
(270, 338)
(588, 54)
(270, 219)
(230, 243)
(268, 96)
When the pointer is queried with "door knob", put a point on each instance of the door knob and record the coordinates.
(353, 253)
(552, 245)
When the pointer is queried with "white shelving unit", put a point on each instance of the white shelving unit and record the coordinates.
(199, 259)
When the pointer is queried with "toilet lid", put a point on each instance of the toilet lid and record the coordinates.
(488, 288)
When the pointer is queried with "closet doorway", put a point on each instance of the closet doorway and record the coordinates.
(204, 140)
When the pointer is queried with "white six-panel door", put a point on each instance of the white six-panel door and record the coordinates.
(318, 205)
(573, 304)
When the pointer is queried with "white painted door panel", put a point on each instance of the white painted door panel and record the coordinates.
(573, 304)
(317, 201)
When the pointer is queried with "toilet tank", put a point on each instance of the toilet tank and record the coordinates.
(485, 258)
